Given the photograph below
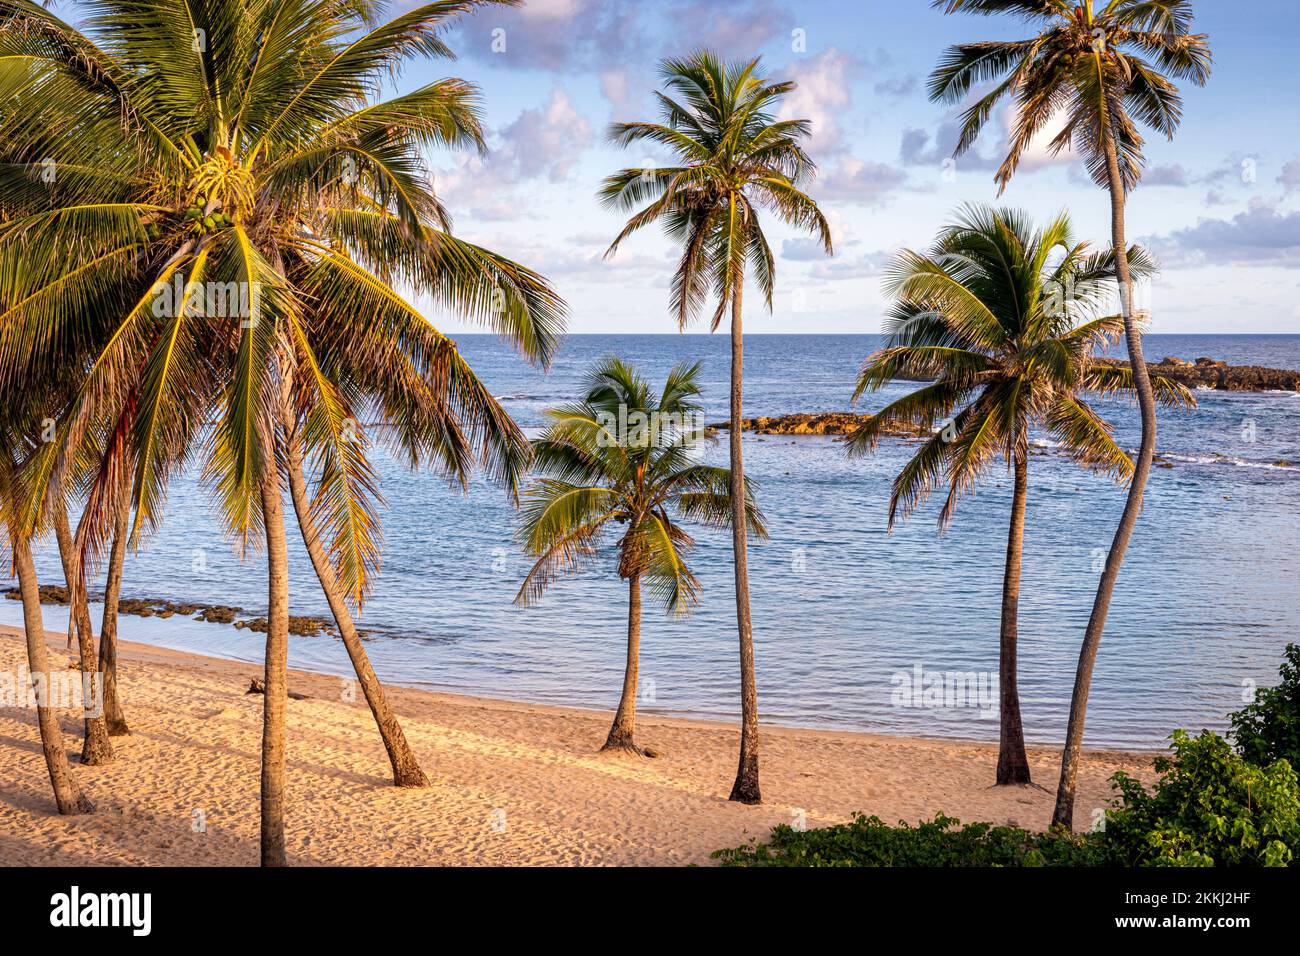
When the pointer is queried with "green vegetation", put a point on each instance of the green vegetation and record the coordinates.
(1268, 729)
(943, 841)
(1211, 806)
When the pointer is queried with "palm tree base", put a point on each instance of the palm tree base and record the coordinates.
(1013, 768)
(745, 789)
(96, 751)
(80, 806)
(1013, 777)
(118, 728)
(620, 741)
(410, 778)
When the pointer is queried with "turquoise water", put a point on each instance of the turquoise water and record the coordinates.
(1205, 603)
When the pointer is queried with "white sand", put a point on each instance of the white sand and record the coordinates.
(512, 783)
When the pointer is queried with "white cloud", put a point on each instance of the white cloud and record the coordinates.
(545, 141)
(823, 96)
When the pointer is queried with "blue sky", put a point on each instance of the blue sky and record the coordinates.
(1220, 205)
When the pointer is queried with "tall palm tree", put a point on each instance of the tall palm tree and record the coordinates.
(1004, 318)
(622, 456)
(68, 795)
(213, 149)
(732, 157)
(1105, 66)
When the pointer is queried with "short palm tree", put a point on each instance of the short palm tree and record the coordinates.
(731, 158)
(1106, 67)
(1004, 319)
(216, 243)
(622, 456)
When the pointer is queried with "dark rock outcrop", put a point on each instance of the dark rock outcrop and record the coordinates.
(212, 613)
(50, 594)
(822, 423)
(1221, 376)
(1207, 373)
(301, 626)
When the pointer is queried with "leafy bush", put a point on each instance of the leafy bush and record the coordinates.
(1210, 807)
(1269, 728)
(941, 842)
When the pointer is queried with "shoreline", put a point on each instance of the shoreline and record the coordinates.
(513, 783)
(505, 697)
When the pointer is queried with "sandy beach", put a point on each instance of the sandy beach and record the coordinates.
(513, 784)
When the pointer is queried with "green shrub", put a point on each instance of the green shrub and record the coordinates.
(1269, 728)
(1210, 807)
(941, 842)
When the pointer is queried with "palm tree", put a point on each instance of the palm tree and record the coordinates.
(96, 747)
(68, 795)
(1004, 319)
(623, 456)
(1106, 66)
(250, 162)
(732, 157)
(114, 716)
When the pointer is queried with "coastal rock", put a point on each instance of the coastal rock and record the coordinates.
(301, 626)
(1207, 373)
(822, 423)
(218, 614)
(50, 594)
(155, 607)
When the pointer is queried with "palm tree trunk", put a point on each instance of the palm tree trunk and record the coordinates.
(745, 789)
(624, 727)
(96, 748)
(406, 769)
(1013, 764)
(114, 717)
(1064, 812)
(276, 701)
(67, 794)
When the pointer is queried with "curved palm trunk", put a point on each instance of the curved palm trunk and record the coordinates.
(67, 794)
(1064, 812)
(745, 789)
(114, 717)
(96, 748)
(1013, 764)
(621, 733)
(276, 701)
(406, 769)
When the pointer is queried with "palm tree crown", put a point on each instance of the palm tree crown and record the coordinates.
(1002, 319)
(623, 457)
(167, 149)
(1107, 69)
(732, 157)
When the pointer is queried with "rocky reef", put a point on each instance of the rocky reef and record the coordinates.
(1207, 373)
(823, 423)
(302, 625)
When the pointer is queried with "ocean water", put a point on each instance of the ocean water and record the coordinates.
(845, 613)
